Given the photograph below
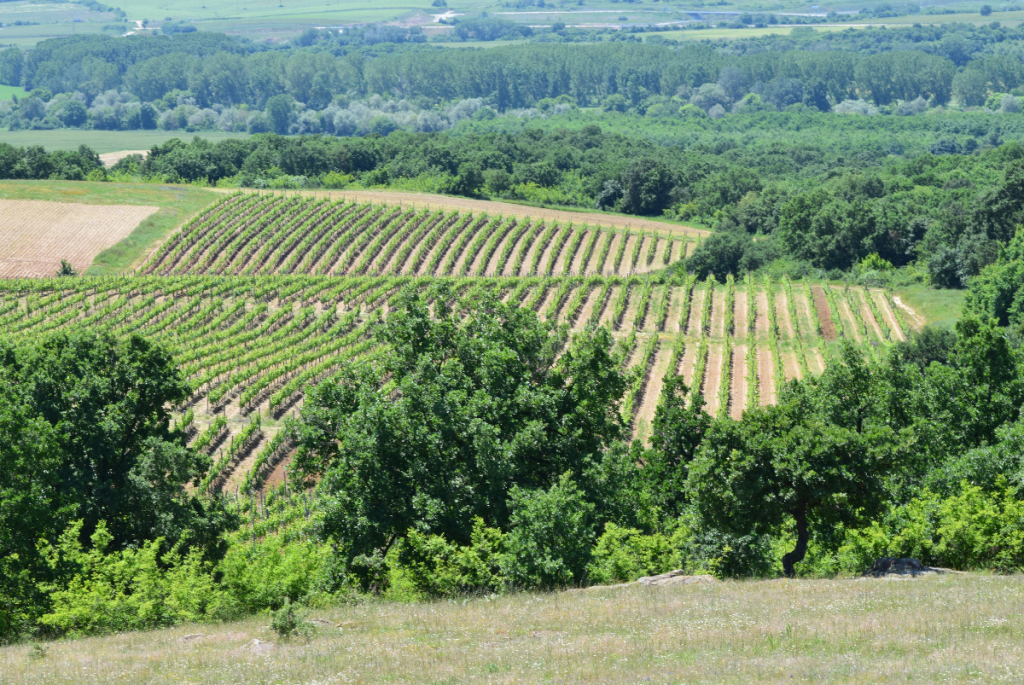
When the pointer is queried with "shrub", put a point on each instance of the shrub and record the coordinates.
(972, 529)
(128, 590)
(625, 554)
(289, 620)
(336, 181)
(441, 568)
(551, 536)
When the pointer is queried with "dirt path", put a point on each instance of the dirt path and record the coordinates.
(675, 305)
(578, 267)
(860, 297)
(688, 364)
(717, 313)
(426, 200)
(738, 392)
(549, 297)
(629, 316)
(713, 378)
(824, 313)
(528, 258)
(652, 393)
(791, 364)
(606, 314)
(645, 246)
(917, 322)
(782, 315)
(587, 310)
(846, 316)
(888, 315)
(815, 360)
(678, 249)
(740, 316)
(808, 332)
(625, 268)
(766, 376)
(693, 325)
(761, 315)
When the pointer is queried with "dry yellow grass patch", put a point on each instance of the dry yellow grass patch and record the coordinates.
(35, 235)
(928, 630)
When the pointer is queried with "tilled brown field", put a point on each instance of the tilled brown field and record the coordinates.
(35, 235)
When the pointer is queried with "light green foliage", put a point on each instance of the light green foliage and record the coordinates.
(128, 590)
(438, 567)
(265, 573)
(969, 530)
(622, 555)
(551, 536)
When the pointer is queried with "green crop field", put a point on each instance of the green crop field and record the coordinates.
(261, 297)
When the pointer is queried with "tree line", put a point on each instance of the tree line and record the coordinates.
(207, 71)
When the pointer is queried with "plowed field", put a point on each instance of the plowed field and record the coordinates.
(35, 235)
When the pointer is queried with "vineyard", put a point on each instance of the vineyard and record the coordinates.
(251, 347)
(252, 234)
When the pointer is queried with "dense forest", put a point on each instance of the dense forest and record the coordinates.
(201, 81)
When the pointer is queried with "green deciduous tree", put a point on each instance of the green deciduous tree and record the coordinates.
(452, 416)
(817, 464)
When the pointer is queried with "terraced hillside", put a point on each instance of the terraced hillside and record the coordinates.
(251, 347)
(251, 234)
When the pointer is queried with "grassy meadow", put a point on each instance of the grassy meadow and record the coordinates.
(948, 629)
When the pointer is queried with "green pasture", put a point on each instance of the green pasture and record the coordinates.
(7, 91)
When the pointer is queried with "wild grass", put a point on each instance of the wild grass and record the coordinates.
(932, 307)
(963, 628)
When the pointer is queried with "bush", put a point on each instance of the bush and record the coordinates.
(266, 574)
(289, 620)
(551, 537)
(625, 554)
(440, 568)
(129, 590)
(972, 529)
(336, 181)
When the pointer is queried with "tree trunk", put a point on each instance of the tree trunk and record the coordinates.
(800, 550)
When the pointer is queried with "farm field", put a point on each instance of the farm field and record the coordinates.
(253, 340)
(794, 631)
(445, 202)
(176, 204)
(252, 234)
(36, 235)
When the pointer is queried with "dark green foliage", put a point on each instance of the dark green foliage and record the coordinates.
(552, 533)
(677, 432)
(930, 345)
(466, 412)
(66, 269)
(806, 459)
(85, 437)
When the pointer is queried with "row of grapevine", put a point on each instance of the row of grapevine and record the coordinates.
(272, 234)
